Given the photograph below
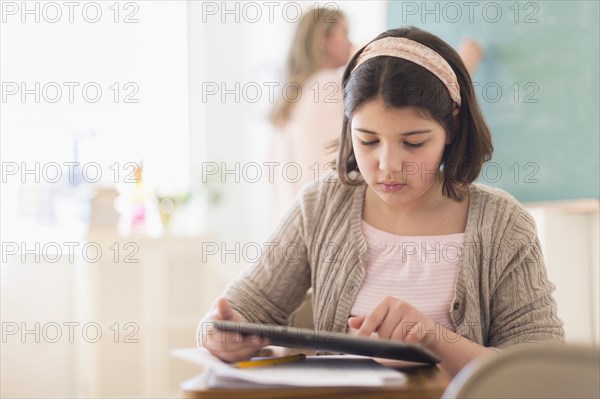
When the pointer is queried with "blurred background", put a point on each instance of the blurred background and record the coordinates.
(137, 174)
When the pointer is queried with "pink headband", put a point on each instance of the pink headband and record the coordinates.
(412, 51)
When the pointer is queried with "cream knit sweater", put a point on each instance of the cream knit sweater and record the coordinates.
(502, 294)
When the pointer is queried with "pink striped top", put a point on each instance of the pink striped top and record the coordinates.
(420, 270)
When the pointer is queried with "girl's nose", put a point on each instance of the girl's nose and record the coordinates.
(390, 160)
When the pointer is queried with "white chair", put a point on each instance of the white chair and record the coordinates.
(545, 370)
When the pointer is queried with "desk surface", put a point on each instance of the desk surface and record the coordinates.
(423, 382)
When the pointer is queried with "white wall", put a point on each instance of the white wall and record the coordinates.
(37, 296)
(568, 233)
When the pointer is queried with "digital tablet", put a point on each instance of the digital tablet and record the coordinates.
(295, 337)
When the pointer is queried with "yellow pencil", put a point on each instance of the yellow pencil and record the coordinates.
(269, 361)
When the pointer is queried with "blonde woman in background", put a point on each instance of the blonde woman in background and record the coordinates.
(311, 116)
(309, 120)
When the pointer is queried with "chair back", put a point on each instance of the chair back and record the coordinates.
(545, 370)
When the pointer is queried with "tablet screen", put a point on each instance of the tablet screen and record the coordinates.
(295, 337)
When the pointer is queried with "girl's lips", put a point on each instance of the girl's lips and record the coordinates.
(391, 187)
(389, 182)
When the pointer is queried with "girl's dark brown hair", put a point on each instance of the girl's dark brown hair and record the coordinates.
(401, 83)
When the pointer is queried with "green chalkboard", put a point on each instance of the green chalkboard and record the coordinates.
(538, 87)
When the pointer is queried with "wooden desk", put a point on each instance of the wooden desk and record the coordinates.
(423, 382)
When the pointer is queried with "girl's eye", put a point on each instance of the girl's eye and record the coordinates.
(414, 145)
(368, 142)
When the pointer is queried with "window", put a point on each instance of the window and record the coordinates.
(88, 90)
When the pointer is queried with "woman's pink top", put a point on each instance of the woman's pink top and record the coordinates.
(420, 270)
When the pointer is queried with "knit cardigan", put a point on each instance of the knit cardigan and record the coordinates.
(502, 295)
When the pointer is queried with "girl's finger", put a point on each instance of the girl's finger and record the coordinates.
(390, 324)
(233, 353)
(400, 319)
(374, 319)
(356, 321)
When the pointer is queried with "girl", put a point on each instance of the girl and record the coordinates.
(401, 242)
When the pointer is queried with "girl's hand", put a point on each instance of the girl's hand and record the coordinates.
(230, 347)
(395, 319)
(471, 53)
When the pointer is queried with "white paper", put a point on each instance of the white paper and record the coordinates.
(313, 371)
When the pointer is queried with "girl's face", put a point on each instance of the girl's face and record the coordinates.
(398, 152)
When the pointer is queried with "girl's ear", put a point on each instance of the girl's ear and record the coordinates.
(455, 114)
(455, 111)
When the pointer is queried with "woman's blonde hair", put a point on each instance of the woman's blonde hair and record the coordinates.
(305, 56)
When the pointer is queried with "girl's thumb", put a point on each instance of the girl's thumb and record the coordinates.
(224, 309)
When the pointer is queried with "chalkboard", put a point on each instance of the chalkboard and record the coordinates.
(538, 87)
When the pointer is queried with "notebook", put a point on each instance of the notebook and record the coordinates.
(321, 371)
